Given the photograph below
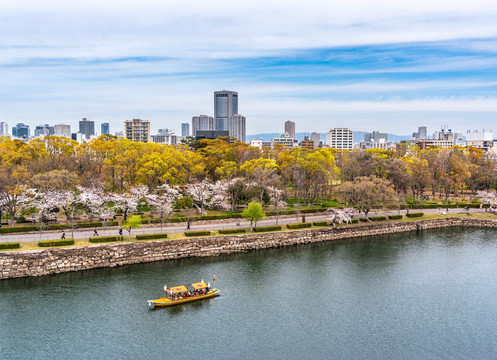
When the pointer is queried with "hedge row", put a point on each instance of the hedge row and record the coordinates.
(59, 242)
(299, 226)
(354, 221)
(267, 228)
(16, 229)
(151, 236)
(320, 223)
(197, 233)
(232, 231)
(414, 215)
(395, 217)
(10, 245)
(100, 239)
(377, 218)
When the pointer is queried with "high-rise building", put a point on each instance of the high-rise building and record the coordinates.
(87, 128)
(4, 128)
(185, 129)
(202, 123)
(375, 136)
(62, 130)
(21, 131)
(340, 139)
(44, 130)
(316, 137)
(104, 129)
(137, 130)
(237, 126)
(225, 106)
(290, 128)
(422, 133)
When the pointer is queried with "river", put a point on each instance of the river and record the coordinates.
(431, 295)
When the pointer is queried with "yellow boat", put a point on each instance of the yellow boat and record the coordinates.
(183, 294)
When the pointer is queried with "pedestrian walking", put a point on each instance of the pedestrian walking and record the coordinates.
(95, 232)
(120, 231)
(188, 224)
(63, 235)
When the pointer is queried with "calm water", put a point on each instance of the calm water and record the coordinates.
(409, 296)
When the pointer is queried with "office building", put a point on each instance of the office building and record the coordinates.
(284, 140)
(340, 139)
(44, 130)
(137, 130)
(422, 133)
(185, 129)
(307, 143)
(21, 131)
(225, 106)
(87, 128)
(237, 127)
(62, 130)
(375, 136)
(202, 123)
(4, 128)
(211, 134)
(316, 137)
(480, 139)
(290, 129)
(104, 129)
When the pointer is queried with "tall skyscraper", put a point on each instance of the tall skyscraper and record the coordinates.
(202, 123)
(4, 128)
(225, 106)
(137, 130)
(237, 126)
(104, 129)
(185, 129)
(87, 128)
(375, 136)
(290, 128)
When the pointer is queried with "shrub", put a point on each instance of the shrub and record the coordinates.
(197, 233)
(363, 219)
(377, 218)
(151, 236)
(10, 245)
(395, 217)
(17, 229)
(88, 225)
(320, 223)
(354, 221)
(267, 228)
(232, 231)
(415, 215)
(100, 239)
(58, 242)
(112, 223)
(56, 227)
(299, 225)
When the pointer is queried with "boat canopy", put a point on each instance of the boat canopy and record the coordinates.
(199, 285)
(178, 289)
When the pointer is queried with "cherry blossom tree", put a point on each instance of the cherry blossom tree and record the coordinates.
(337, 216)
(13, 199)
(163, 201)
(200, 192)
(219, 196)
(277, 197)
(127, 202)
(96, 202)
(43, 206)
(69, 202)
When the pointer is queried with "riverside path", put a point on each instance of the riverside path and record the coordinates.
(181, 227)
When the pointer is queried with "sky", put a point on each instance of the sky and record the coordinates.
(363, 64)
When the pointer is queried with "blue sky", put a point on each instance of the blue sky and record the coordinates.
(368, 65)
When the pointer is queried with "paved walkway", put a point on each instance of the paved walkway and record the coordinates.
(181, 227)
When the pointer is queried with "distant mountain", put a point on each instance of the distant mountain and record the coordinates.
(358, 136)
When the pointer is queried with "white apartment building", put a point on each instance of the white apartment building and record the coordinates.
(340, 139)
(137, 130)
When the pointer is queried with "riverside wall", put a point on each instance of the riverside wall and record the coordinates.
(15, 264)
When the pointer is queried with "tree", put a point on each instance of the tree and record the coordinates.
(253, 213)
(43, 206)
(277, 197)
(199, 191)
(70, 203)
(337, 216)
(133, 222)
(488, 198)
(367, 192)
(163, 202)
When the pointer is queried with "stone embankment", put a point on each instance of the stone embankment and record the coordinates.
(14, 264)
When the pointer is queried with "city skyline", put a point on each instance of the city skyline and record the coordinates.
(363, 65)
